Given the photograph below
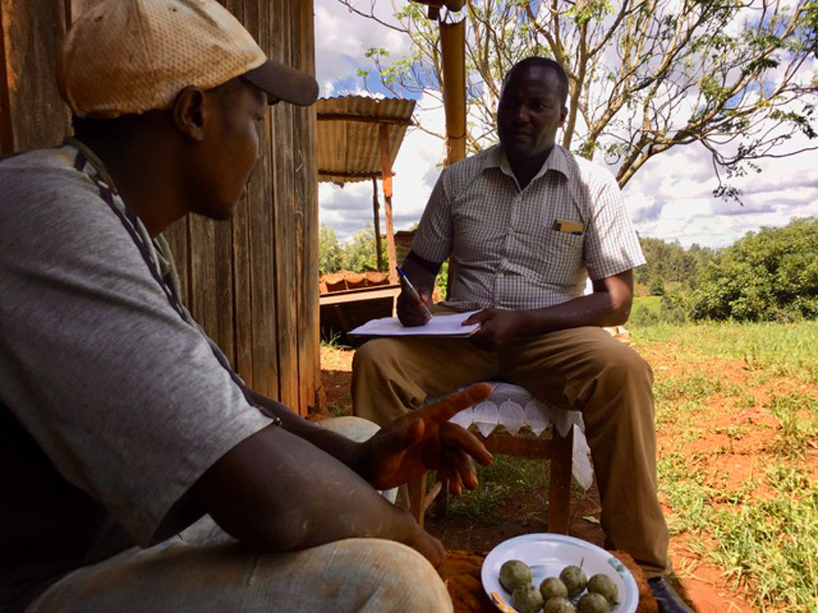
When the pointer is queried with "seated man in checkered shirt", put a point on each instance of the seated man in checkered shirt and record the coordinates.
(525, 224)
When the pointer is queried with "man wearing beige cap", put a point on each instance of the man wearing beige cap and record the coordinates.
(121, 423)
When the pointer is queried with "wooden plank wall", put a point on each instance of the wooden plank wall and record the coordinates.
(251, 282)
(246, 279)
(31, 111)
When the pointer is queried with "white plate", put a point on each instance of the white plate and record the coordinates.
(547, 555)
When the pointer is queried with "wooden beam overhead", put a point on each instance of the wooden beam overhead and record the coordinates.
(354, 174)
(453, 50)
(399, 121)
(436, 5)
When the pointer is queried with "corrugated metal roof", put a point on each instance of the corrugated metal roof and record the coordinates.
(347, 135)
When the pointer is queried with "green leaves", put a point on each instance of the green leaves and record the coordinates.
(591, 10)
(771, 275)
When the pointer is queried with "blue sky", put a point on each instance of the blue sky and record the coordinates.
(669, 198)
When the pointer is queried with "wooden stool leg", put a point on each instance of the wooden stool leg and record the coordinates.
(559, 495)
(417, 498)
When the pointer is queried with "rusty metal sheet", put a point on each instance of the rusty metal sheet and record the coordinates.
(347, 135)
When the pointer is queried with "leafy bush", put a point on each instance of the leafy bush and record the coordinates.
(771, 275)
(644, 316)
(669, 266)
(329, 251)
(358, 255)
(670, 310)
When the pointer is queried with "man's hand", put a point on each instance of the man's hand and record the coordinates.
(413, 308)
(496, 327)
(428, 546)
(426, 440)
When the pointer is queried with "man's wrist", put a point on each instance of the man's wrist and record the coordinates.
(358, 461)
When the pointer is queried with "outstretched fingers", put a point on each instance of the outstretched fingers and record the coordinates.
(453, 436)
(462, 465)
(449, 406)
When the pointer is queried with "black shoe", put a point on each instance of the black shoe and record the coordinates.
(666, 597)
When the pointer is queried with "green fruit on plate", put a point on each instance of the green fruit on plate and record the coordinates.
(559, 605)
(574, 579)
(526, 598)
(514, 573)
(593, 603)
(605, 586)
(551, 587)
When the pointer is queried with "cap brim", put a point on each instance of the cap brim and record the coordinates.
(283, 82)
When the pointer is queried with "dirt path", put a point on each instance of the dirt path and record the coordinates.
(734, 445)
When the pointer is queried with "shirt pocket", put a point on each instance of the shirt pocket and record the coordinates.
(562, 255)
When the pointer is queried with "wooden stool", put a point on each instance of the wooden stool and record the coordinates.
(558, 449)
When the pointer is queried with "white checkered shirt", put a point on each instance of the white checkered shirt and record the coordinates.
(526, 249)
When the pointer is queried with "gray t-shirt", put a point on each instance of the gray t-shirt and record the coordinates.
(112, 402)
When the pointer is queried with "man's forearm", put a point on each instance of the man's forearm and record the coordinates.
(276, 492)
(596, 309)
(336, 445)
(608, 305)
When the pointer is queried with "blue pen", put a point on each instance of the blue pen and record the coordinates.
(412, 289)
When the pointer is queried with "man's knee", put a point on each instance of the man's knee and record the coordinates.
(409, 582)
(617, 363)
(621, 381)
(353, 428)
(373, 355)
(628, 363)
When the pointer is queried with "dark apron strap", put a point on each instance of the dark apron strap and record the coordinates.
(130, 221)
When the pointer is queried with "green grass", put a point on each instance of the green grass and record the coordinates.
(653, 303)
(767, 546)
(333, 340)
(504, 479)
(771, 546)
(681, 398)
(798, 414)
(337, 410)
(774, 349)
(763, 531)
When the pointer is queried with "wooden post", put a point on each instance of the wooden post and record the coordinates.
(386, 179)
(453, 50)
(376, 211)
(32, 114)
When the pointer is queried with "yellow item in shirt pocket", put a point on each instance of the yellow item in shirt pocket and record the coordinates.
(568, 227)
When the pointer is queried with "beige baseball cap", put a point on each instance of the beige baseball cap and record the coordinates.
(131, 56)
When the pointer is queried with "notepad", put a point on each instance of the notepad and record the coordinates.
(439, 325)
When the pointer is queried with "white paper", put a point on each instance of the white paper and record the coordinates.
(439, 325)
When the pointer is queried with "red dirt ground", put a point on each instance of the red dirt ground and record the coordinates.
(734, 447)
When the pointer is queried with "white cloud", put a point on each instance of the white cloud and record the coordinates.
(671, 198)
(342, 38)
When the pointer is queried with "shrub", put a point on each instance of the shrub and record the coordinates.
(771, 275)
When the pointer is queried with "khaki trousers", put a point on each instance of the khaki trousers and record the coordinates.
(582, 369)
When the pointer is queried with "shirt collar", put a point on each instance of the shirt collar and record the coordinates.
(95, 165)
(557, 161)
